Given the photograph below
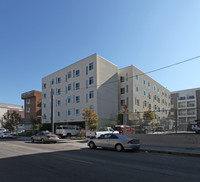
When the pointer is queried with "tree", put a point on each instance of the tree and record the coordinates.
(90, 118)
(148, 116)
(13, 120)
(35, 123)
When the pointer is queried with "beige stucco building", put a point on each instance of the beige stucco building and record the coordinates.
(91, 82)
(142, 93)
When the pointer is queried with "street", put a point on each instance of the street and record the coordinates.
(22, 161)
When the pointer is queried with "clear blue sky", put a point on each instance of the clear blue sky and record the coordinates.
(40, 37)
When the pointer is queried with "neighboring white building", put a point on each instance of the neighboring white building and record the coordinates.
(142, 93)
(91, 82)
(186, 105)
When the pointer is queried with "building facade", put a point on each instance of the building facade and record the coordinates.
(142, 93)
(89, 83)
(185, 105)
(32, 105)
(10, 108)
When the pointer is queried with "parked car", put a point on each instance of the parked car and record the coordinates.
(44, 137)
(6, 134)
(160, 128)
(67, 130)
(121, 128)
(114, 141)
(101, 131)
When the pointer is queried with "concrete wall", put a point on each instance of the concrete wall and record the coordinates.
(170, 140)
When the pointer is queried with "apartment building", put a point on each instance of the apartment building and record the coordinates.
(91, 82)
(185, 105)
(32, 105)
(142, 93)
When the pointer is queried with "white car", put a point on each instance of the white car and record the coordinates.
(114, 141)
(6, 134)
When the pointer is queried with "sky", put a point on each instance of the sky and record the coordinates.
(40, 37)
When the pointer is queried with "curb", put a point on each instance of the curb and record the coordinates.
(171, 152)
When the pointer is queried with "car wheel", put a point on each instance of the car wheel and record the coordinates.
(119, 147)
(92, 145)
(68, 135)
(42, 140)
(32, 140)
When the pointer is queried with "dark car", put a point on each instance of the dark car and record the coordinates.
(44, 137)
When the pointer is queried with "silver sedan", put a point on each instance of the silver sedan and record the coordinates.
(114, 141)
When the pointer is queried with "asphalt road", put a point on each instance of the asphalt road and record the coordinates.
(22, 161)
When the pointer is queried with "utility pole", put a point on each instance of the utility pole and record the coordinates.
(52, 113)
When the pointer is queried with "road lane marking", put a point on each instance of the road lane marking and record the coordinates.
(10, 146)
(72, 159)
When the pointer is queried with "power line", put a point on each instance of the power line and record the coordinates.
(165, 67)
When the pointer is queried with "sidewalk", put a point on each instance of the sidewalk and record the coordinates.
(171, 150)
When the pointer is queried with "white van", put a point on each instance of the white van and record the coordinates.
(68, 130)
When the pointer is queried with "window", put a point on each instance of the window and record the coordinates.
(66, 90)
(144, 93)
(77, 112)
(59, 91)
(91, 66)
(127, 100)
(126, 76)
(149, 84)
(28, 101)
(58, 102)
(77, 86)
(136, 89)
(69, 111)
(77, 73)
(86, 98)
(126, 88)
(91, 94)
(122, 91)
(69, 74)
(73, 98)
(136, 77)
(69, 86)
(44, 105)
(149, 95)
(86, 70)
(77, 99)
(44, 116)
(86, 83)
(44, 96)
(144, 82)
(91, 80)
(154, 87)
(66, 101)
(149, 106)
(122, 79)
(69, 99)
(158, 90)
(73, 85)
(122, 102)
(58, 114)
(44, 85)
(59, 80)
(27, 109)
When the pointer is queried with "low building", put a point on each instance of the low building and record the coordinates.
(32, 106)
(10, 108)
